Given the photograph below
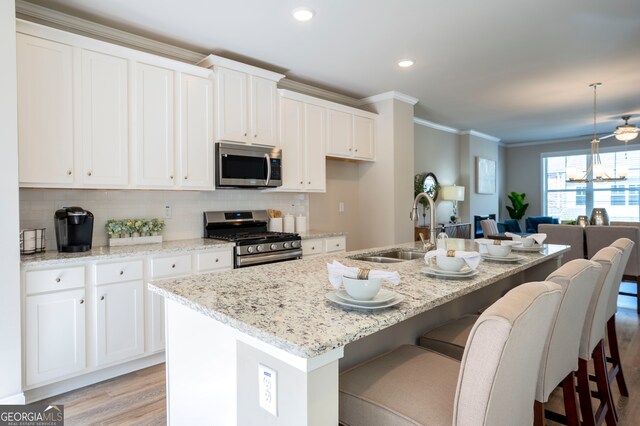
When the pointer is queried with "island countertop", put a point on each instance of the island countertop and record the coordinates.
(284, 305)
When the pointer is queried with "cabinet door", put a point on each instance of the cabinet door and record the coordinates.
(155, 117)
(264, 110)
(196, 138)
(232, 108)
(363, 137)
(339, 133)
(45, 111)
(155, 325)
(119, 322)
(314, 148)
(104, 113)
(291, 140)
(54, 335)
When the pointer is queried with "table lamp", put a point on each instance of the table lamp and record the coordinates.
(454, 194)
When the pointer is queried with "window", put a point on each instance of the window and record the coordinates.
(568, 200)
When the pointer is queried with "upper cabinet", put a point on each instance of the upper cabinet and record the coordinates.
(247, 102)
(351, 134)
(45, 111)
(97, 115)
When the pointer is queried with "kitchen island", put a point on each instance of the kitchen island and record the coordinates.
(221, 327)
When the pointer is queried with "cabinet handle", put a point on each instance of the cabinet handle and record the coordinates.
(173, 266)
(337, 245)
(356, 149)
(171, 177)
(255, 136)
(216, 260)
(69, 172)
(121, 272)
(349, 149)
(89, 173)
(309, 183)
(81, 301)
(186, 177)
(313, 247)
(101, 297)
(301, 182)
(58, 279)
(245, 134)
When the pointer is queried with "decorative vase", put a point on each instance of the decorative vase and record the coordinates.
(582, 221)
(599, 217)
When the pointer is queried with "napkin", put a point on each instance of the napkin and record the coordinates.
(538, 237)
(471, 258)
(484, 241)
(337, 270)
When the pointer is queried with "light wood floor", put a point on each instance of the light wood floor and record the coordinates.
(139, 398)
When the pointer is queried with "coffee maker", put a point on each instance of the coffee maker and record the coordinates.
(74, 229)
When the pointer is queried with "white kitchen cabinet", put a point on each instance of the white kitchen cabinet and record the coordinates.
(363, 137)
(339, 133)
(119, 321)
(335, 244)
(232, 107)
(196, 133)
(317, 246)
(54, 335)
(104, 119)
(45, 112)
(155, 121)
(264, 111)
(303, 145)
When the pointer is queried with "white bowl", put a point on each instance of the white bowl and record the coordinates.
(499, 250)
(453, 264)
(361, 289)
(527, 241)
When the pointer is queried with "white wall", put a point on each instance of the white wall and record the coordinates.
(10, 366)
(37, 207)
(438, 152)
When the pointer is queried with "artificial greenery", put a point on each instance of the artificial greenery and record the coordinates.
(518, 207)
(127, 227)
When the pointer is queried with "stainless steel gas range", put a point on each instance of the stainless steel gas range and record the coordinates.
(254, 244)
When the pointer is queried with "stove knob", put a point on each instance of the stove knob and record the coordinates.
(260, 248)
(295, 244)
(273, 246)
(286, 245)
(250, 249)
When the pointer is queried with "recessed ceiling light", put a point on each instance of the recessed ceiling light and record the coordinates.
(405, 63)
(303, 13)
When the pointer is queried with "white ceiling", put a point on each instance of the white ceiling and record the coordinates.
(517, 70)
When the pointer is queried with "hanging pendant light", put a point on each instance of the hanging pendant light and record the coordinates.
(596, 172)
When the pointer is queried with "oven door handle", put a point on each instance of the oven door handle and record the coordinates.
(266, 156)
(267, 258)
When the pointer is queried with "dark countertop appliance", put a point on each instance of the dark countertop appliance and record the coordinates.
(254, 244)
(74, 229)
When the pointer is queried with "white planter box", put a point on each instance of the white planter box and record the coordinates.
(130, 241)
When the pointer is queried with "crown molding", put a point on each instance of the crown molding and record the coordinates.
(583, 138)
(314, 100)
(436, 126)
(214, 60)
(295, 86)
(398, 96)
(480, 135)
(35, 13)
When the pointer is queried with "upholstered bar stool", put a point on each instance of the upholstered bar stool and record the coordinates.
(492, 385)
(489, 227)
(578, 279)
(625, 245)
(592, 343)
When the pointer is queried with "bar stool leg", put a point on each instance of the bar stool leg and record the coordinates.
(584, 394)
(538, 414)
(570, 403)
(615, 356)
(602, 380)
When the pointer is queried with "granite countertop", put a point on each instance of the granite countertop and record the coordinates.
(53, 257)
(309, 235)
(284, 304)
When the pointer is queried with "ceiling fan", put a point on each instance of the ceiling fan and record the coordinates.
(625, 132)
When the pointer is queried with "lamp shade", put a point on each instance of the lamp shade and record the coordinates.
(452, 193)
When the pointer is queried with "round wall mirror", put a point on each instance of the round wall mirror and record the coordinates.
(430, 185)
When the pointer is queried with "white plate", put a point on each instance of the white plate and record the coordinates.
(533, 248)
(382, 297)
(448, 274)
(462, 272)
(512, 258)
(335, 299)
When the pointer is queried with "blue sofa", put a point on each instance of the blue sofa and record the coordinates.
(532, 222)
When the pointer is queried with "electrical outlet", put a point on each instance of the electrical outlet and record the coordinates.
(268, 389)
(167, 211)
(341, 207)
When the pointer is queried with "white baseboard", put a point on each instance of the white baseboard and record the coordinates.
(17, 399)
(87, 379)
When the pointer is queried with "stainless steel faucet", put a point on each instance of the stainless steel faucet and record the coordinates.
(432, 218)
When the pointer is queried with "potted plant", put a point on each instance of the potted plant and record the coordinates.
(134, 231)
(518, 207)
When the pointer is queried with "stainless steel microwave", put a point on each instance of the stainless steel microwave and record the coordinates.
(247, 166)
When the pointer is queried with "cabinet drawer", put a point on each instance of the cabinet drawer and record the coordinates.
(334, 244)
(54, 279)
(170, 266)
(311, 247)
(214, 260)
(118, 272)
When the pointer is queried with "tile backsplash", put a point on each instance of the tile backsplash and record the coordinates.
(37, 207)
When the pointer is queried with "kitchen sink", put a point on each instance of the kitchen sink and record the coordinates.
(391, 256)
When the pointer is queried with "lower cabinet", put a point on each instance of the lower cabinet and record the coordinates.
(54, 335)
(318, 246)
(119, 321)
